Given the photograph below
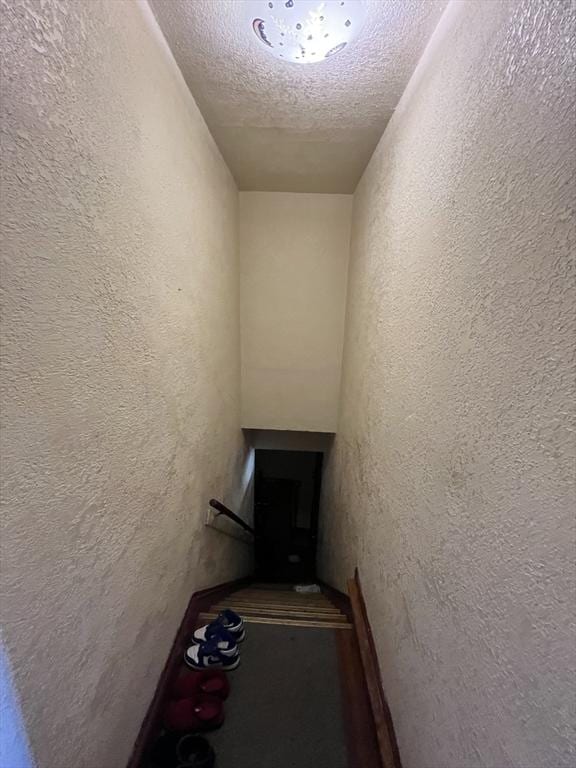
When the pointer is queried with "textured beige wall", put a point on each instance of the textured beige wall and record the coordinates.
(294, 262)
(120, 390)
(451, 481)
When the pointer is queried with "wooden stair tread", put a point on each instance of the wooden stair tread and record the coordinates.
(207, 617)
(272, 601)
(238, 607)
(288, 614)
(281, 595)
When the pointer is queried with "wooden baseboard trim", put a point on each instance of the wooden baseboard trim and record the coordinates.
(387, 744)
(361, 741)
(199, 602)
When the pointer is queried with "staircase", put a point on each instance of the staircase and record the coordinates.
(300, 696)
(286, 706)
(260, 604)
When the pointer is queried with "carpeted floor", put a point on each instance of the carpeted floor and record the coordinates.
(284, 709)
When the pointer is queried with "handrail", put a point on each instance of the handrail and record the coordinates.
(222, 510)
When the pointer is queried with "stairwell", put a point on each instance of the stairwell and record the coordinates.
(286, 707)
(299, 697)
(173, 290)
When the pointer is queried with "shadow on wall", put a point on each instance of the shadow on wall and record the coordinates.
(14, 748)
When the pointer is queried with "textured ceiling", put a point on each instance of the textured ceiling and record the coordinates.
(291, 127)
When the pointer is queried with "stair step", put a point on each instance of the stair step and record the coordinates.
(207, 617)
(283, 593)
(264, 585)
(239, 606)
(327, 611)
(291, 614)
(276, 597)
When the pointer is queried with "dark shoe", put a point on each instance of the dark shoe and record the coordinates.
(195, 752)
(228, 620)
(163, 754)
(219, 653)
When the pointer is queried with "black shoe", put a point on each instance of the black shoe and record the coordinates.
(163, 754)
(195, 752)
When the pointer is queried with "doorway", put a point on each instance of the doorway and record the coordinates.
(286, 507)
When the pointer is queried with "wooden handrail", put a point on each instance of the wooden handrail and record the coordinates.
(222, 510)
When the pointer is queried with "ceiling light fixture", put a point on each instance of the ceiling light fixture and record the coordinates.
(306, 31)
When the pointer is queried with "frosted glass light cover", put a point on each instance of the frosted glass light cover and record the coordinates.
(306, 31)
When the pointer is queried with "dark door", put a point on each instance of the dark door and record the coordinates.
(286, 504)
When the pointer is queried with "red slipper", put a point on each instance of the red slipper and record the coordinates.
(209, 710)
(180, 716)
(213, 682)
(195, 713)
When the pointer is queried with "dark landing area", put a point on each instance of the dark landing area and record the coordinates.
(285, 706)
(286, 508)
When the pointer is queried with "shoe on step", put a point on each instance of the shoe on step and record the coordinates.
(212, 682)
(163, 752)
(177, 750)
(213, 654)
(225, 641)
(195, 752)
(196, 713)
(227, 620)
(179, 716)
